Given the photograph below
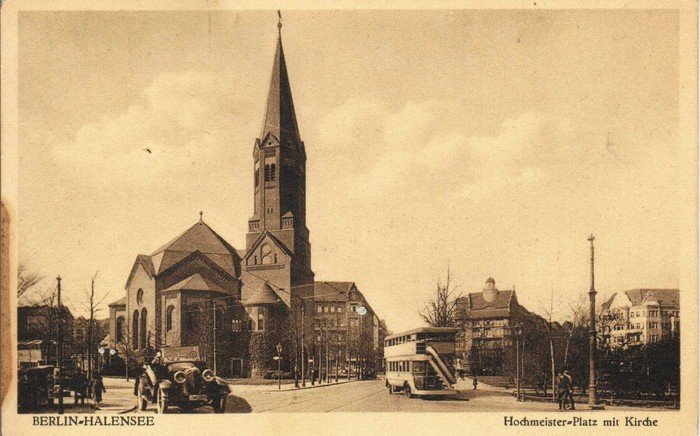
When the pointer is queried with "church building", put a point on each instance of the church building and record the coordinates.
(238, 305)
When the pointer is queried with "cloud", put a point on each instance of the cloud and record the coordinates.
(180, 126)
(423, 147)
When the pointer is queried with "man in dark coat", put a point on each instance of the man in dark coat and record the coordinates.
(570, 390)
(79, 385)
(563, 390)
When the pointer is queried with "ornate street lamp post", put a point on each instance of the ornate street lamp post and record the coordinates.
(279, 361)
(592, 333)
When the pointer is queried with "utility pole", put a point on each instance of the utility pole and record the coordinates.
(592, 333)
(60, 348)
(320, 355)
(303, 357)
(214, 309)
(327, 356)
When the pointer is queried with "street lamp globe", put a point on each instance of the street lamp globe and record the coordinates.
(519, 330)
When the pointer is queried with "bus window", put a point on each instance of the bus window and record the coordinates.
(418, 367)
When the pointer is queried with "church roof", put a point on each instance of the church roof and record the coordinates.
(119, 302)
(263, 295)
(200, 237)
(196, 282)
(280, 118)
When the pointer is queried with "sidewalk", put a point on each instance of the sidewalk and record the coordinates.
(285, 386)
(467, 384)
(119, 396)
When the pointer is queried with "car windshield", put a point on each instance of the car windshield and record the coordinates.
(181, 366)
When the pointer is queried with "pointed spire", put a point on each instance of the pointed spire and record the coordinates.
(280, 118)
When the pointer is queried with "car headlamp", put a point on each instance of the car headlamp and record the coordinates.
(208, 375)
(179, 377)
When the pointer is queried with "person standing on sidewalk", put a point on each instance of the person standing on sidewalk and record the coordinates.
(79, 384)
(475, 382)
(98, 388)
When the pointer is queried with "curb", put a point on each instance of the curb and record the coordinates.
(293, 389)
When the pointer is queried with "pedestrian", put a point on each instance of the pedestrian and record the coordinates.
(570, 391)
(98, 388)
(475, 382)
(562, 390)
(79, 384)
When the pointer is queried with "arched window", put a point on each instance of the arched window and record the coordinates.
(119, 334)
(135, 330)
(169, 318)
(139, 296)
(273, 171)
(267, 173)
(275, 257)
(144, 328)
(257, 176)
(250, 325)
(261, 323)
(255, 260)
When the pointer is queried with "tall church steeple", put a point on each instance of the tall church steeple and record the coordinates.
(280, 119)
(280, 172)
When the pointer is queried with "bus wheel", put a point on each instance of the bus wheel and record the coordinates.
(407, 391)
(391, 389)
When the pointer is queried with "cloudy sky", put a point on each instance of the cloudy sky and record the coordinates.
(492, 141)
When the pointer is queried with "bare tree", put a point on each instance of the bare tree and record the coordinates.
(93, 306)
(549, 312)
(441, 309)
(577, 312)
(26, 280)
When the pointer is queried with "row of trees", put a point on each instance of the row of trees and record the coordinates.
(83, 335)
(548, 347)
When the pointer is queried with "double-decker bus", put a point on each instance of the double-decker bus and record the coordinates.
(419, 362)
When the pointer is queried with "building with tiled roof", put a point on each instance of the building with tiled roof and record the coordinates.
(640, 316)
(485, 320)
(346, 321)
(198, 283)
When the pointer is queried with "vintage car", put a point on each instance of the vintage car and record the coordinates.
(182, 380)
(36, 385)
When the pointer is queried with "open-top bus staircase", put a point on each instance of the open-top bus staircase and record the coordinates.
(446, 377)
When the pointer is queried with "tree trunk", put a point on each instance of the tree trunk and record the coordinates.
(551, 352)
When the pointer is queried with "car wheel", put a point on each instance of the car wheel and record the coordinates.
(219, 405)
(407, 391)
(391, 389)
(163, 402)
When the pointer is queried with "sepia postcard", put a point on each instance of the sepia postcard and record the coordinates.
(353, 217)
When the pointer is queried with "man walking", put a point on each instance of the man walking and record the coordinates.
(570, 390)
(563, 390)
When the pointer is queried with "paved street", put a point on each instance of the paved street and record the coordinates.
(372, 396)
(353, 396)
